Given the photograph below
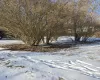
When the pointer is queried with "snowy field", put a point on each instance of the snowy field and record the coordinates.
(8, 42)
(77, 63)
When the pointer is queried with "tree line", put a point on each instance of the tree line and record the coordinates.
(33, 20)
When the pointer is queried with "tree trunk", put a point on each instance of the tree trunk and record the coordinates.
(77, 37)
(47, 40)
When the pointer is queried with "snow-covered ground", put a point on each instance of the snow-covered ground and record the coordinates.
(77, 63)
(7, 42)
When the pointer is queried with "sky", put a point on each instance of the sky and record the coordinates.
(98, 10)
(97, 3)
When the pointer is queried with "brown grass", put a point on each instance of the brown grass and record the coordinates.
(23, 47)
(97, 34)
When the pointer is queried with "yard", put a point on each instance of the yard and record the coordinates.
(81, 62)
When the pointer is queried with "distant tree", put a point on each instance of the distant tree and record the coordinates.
(81, 21)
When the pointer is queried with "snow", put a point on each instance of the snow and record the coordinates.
(77, 63)
(91, 39)
(66, 38)
(7, 42)
(63, 39)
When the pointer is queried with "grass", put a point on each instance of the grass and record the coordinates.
(60, 78)
(23, 47)
(12, 66)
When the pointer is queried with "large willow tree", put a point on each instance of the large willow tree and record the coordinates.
(29, 20)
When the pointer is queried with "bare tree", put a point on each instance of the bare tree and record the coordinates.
(32, 20)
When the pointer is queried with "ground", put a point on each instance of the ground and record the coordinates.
(81, 62)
